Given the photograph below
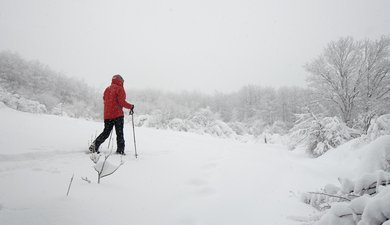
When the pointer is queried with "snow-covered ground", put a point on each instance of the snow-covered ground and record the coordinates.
(178, 178)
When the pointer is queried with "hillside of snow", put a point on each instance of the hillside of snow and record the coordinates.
(178, 179)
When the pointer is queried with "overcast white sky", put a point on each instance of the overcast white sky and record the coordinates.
(202, 45)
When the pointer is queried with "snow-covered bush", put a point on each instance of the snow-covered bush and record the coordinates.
(205, 121)
(155, 120)
(57, 110)
(318, 134)
(220, 129)
(276, 138)
(278, 127)
(178, 125)
(364, 201)
(142, 120)
(203, 117)
(202, 123)
(26, 105)
(257, 127)
(17, 102)
(238, 127)
(379, 127)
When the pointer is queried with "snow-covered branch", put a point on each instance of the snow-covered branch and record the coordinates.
(103, 167)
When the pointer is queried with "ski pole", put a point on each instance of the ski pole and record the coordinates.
(132, 120)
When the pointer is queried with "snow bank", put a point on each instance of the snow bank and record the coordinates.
(376, 155)
(361, 157)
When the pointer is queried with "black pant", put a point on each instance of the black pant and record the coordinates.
(108, 125)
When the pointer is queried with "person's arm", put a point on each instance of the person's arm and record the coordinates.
(122, 99)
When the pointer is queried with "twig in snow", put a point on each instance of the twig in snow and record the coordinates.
(70, 184)
(101, 170)
(86, 179)
(329, 195)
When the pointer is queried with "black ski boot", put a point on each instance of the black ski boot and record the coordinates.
(120, 152)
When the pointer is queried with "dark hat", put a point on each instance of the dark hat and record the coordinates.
(117, 76)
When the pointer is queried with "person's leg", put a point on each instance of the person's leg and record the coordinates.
(108, 125)
(120, 141)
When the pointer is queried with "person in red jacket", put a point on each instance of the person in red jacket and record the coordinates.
(114, 101)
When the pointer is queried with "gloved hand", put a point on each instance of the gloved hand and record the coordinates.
(131, 112)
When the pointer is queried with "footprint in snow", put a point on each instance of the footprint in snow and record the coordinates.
(206, 191)
(197, 182)
(50, 170)
(53, 170)
(201, 187)
(188, 221)
(210, 165)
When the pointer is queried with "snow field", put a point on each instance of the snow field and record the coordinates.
(179, 178)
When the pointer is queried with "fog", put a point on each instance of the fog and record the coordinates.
(175, 45)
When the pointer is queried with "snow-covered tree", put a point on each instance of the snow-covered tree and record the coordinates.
(354, 78)
(375, 85)
(335, 75)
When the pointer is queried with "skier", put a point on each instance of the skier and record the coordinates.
(114, 101)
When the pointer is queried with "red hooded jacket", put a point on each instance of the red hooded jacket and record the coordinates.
(115, 99)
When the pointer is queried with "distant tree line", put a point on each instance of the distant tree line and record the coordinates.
(256, 108)
(35, 81)
(253, 107)
(350, 80)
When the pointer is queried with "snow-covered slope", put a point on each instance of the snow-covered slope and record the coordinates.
(179, 178)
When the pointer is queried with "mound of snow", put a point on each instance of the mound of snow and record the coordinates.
(376, 155)
(361, 157)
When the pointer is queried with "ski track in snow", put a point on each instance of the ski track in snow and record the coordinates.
(178, 179)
